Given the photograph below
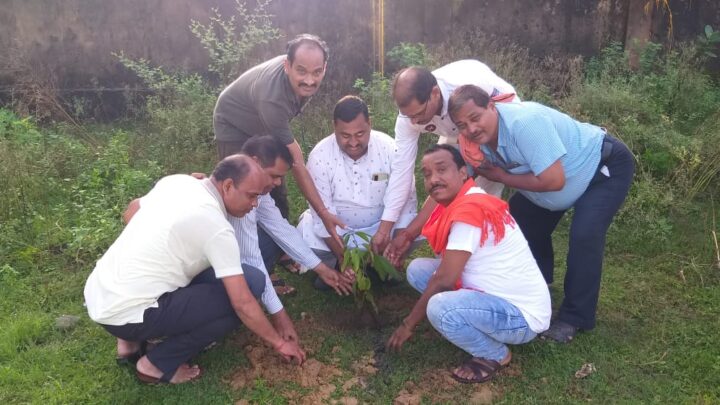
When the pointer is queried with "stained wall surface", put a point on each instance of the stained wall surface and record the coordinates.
(75, 38)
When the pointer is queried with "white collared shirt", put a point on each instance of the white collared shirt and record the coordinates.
(354, 190)
(449, 77)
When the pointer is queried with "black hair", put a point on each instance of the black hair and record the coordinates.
(349, 107)
(267, 149)
(306, 39)
(457, 157)
(465, 93)
(415, 82)
(236, 167)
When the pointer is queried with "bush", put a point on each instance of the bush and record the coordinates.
(179, 113)
(63, 198)
(377, 94)
(407, 54)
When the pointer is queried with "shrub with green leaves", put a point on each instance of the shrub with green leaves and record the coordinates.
(668, 112)
(179, 112)
(377, 95)
(408, 54)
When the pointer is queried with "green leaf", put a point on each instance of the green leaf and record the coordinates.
(384, 269)
(346, 259)
(355, 257)
(363, 283)
(364, 236)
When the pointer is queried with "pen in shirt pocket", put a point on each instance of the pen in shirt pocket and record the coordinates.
(380, 176)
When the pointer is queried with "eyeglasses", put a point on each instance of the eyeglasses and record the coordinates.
(419, 114)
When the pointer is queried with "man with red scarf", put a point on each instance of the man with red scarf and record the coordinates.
(484, 290)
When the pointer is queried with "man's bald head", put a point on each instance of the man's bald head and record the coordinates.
(239, 180)
(413, 83)
(235, 167)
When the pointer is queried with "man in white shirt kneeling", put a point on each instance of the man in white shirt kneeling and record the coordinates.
(485, 290)
(351, 169)
(175, 272)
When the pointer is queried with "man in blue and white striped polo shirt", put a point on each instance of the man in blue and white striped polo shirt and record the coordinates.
(556, 163)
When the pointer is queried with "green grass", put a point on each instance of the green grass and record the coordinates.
(656, 341)
(659, 311)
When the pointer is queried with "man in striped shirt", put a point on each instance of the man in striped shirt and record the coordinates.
(275, 159)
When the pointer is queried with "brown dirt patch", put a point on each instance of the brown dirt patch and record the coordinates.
(438, 386)
(391, 308)
(315, 376)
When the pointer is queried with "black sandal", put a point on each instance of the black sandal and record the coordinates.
(482, 369)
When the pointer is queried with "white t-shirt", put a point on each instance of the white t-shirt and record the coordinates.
(449, 77)
(180, 230)
(507, 270)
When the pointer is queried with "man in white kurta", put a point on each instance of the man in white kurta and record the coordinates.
(351, 169)
(421, 97)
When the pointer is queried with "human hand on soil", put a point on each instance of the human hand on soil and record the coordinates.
(399, 337)
(340, 283)
(287, 332)
(291, 351)
(199, 176)
(397, 248)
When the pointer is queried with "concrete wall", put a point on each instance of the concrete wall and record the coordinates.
(75, 38)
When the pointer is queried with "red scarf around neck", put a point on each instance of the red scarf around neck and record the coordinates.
(478, 209)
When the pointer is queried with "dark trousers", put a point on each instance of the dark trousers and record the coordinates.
(279, 193)
(593, 214)
(189, 319)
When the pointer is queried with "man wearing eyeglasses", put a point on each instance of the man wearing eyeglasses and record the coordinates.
(421, 96)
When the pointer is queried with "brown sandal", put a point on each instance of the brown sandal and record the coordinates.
(285, 290)
(165, 379)
(482, 369)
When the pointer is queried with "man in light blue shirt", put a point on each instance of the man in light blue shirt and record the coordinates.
(555, 163)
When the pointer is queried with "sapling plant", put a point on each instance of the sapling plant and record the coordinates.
(360, 258)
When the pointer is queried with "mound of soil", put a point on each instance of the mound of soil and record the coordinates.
(391, 309)
(440, 387)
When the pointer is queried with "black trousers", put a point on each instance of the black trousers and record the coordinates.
(279, 193)
(593, 214)
(189, 319)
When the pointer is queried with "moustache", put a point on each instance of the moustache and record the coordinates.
(436, 186)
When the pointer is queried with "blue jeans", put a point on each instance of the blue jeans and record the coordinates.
(479, 323)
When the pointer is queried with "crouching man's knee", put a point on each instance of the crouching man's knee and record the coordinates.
(255, 279)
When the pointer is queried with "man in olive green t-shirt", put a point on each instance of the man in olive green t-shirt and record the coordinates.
(263, 100)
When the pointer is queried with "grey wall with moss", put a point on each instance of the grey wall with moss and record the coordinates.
(74, 38)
